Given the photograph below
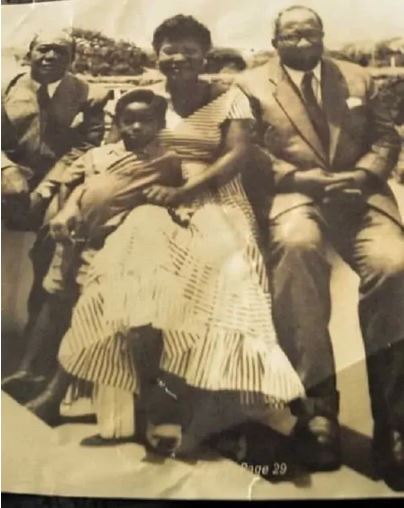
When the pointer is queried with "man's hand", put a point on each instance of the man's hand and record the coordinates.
(355, 183)
(13, 182)
(163, 196)
(314, 182)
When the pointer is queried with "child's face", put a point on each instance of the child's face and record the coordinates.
(138, 125)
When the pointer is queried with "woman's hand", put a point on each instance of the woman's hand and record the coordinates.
(163, 196)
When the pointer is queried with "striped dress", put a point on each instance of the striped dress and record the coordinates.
(196, 273)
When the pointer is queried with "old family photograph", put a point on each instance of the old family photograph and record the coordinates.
(203, 247)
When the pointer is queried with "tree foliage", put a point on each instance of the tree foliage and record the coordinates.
(100, 55)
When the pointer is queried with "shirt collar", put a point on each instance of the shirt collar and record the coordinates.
(51, 87)
(152, 149)
(297, 76)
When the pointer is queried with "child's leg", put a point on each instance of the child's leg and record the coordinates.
(42, 338)
(55, 280)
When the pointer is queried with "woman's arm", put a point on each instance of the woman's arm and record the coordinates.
(236, 150)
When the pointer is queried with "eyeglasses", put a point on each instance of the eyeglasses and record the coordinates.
(294, 38)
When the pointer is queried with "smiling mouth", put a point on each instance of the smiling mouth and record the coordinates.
(49, 66)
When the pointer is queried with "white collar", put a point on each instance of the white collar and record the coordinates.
(153, 149)
(297, 76)
(51, 87)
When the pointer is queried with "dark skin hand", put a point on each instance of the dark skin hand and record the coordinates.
(163, 196)
(320, 184)
(13, 182)
(355, 180)
(223, 169)
(63, 225)
(314, 182)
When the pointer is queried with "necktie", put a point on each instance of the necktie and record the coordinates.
(47, 127)
(315, 111)
(43, 97)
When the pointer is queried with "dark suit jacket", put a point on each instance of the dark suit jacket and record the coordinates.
(362, 134)
(75, 115)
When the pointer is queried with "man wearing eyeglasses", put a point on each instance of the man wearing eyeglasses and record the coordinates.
(332, 147)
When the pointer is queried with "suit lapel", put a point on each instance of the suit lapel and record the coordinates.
(22, 111)
(334, 95)
(293, 107)
(64, 111)
(20, 102)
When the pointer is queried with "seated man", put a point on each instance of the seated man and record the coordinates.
(333, 146)
(49, 118)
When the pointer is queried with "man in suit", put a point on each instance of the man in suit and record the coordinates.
(49, 118)
(332, 146)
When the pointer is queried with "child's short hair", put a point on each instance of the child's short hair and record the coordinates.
(157, 103)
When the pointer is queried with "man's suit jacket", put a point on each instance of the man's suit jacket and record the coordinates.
(362, 134)
(73, 122)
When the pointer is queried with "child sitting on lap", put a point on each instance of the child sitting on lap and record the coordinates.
(109, 181)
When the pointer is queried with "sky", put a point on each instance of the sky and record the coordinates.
(235, 23)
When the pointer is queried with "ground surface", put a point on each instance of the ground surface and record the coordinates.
(38, 459)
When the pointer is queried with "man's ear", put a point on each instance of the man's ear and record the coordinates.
(274, 43)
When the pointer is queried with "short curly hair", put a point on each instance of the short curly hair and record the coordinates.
(156, 103)
(278, 19)
(179, 27)
(63, 37)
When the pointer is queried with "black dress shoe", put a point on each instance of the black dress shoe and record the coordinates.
(46, 407)
(317, 443)
(388, 456)
(98, 441)
(23, 385)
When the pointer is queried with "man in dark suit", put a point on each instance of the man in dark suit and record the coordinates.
(332, 147)
(48, 114)
(49, 118)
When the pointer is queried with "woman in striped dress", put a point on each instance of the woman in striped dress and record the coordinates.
(187, 264)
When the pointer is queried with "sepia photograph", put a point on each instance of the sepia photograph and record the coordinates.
(202, 267)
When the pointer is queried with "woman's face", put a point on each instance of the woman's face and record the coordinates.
(181, 59)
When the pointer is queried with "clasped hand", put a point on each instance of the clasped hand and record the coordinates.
(320, 184)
